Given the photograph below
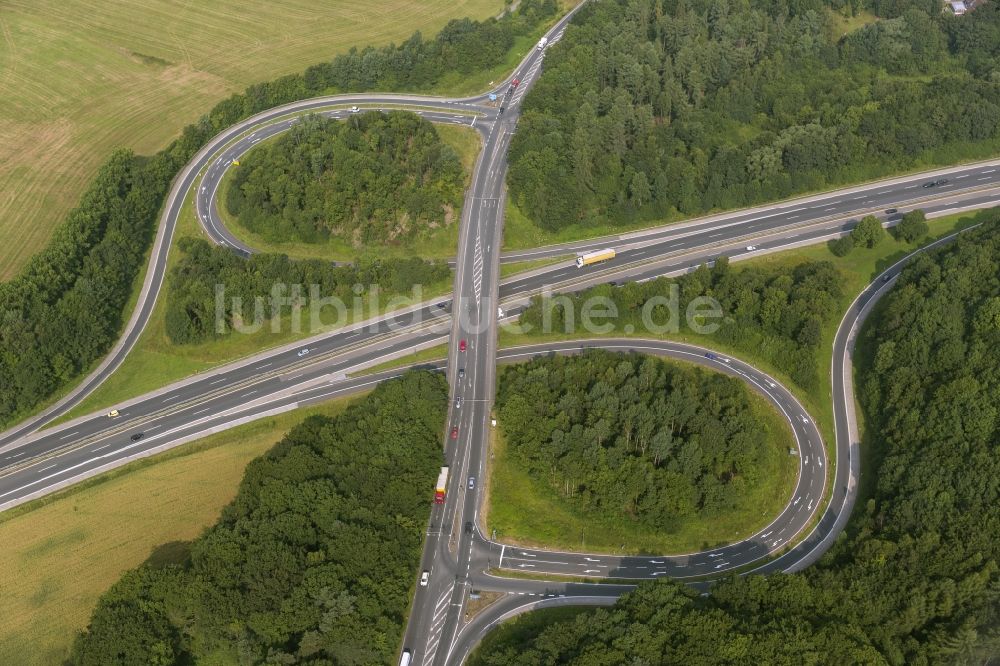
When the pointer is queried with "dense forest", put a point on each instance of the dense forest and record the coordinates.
(66, 308)
(192, 302)
(626, 436)
(916, 577)
(776, 313)
(312, 562)
(376, 178)
(650, 108)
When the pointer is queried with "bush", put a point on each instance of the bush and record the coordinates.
(868, 232)
(841, 247)
(912, 227)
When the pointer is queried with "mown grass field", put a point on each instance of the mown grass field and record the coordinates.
(78, 79)
(61, 553)
(527, 512)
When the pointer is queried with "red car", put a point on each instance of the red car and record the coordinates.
(454, 432)
(461, 345)
(515, 82)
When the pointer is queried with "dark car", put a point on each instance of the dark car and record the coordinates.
(890, 211)
(886, 277)
(137, 436)
(710, 356)
(930, 184)
(461, 373)
(468, 527)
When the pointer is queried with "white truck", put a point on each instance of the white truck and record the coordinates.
(595, 257)
(542, 42)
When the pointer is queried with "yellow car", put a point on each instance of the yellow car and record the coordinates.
(113, 414)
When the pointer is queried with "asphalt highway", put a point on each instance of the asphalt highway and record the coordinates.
(459, 558)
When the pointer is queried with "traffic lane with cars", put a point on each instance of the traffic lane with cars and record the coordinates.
(798, 512)
(73, 456)
(207, 205)
(694, 249)
(877, 199)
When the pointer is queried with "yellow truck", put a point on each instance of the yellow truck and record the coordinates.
(594, 257)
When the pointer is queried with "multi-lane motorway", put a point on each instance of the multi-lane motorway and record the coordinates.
(457, 555)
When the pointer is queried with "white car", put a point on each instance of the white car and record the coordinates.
(303, 352)
(424, 577)
(751, 248)
(499, 313)
(354, 109)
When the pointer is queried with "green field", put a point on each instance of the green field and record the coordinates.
(61, 553)
(526, 512)
(78, 79)
(439, 244)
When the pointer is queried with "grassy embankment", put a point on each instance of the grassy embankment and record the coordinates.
(62, 552)
(525, 511)
(78, 79)
(857, 269)
(156, 361)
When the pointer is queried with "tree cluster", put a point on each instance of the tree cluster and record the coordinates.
(650, 108)
(314, 560)
(374, 179)
(625, 436)
(192, 302)
(915, 578)
(66, 308)
(775, 313)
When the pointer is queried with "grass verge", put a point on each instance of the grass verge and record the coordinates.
(436, 353)
(63, 551)
(522, 628)
(526, 511)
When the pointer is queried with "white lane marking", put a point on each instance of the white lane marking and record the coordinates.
(101, 448)
(69, 434)
(248, 393)
(152, 428)
(220, 379)
(172, 397)
(202, 411)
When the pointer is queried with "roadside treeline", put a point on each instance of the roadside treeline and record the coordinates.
(916, 577)
(775, 313)
(376, 178)
(649, 108)
(312, 562)
(193, 306)
(66, 307)
(626, 436)
(65, 310)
